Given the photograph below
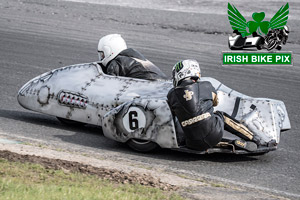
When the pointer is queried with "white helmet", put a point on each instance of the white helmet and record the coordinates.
(286, 30)
(185, 69)
(109, 47)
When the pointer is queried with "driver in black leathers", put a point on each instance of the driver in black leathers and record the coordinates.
(192, 101)
(118, 60)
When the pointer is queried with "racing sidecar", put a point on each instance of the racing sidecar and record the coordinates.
(135, 111)
(237, 42)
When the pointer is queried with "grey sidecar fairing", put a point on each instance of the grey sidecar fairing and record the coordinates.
(84, 93)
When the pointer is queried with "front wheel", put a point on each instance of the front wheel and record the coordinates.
(142, 145)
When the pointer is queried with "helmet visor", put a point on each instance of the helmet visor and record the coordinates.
(101, 55)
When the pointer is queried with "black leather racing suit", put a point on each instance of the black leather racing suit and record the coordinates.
(131, 63)
(188, 101)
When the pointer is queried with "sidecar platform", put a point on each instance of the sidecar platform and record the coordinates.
(226, 147)
(233, 150)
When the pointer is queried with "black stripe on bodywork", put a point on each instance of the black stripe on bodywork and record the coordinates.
(219, 87)
(236, 107)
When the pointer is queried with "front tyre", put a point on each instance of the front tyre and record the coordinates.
(142, 145)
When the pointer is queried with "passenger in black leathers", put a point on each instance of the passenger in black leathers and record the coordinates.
(119, 60)
(192, 102)
(207, 132)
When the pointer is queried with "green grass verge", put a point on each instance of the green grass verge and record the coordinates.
(28, 181)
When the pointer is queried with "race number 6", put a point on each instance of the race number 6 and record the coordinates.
(134, 119)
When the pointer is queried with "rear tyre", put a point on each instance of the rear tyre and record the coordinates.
(260, 43)
(258, 47)
(70, 122)
(142, 145)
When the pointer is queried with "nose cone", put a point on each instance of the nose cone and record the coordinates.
(27, 95)
(34, 94)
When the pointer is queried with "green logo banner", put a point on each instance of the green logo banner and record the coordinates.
(238, 22)
(249, 58)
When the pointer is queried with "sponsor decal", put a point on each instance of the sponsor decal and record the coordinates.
(188, 95)
(195, 119)
(241, 144)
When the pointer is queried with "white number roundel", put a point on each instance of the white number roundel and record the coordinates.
(134, 119)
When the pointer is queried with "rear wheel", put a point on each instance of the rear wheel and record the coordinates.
(259, 46)
(142, 145)
(260, 43)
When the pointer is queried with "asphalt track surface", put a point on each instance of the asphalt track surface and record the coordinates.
(37, 36)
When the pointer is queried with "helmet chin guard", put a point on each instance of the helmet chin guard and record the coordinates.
(185, 69)
(109, 47)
